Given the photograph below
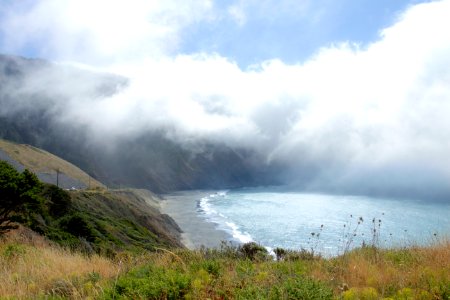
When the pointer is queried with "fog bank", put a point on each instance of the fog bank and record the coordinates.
(365, 119)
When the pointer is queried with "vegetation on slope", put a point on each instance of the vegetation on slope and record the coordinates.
(230, 273)
(91, 221)
(125, 220)
(31, 267)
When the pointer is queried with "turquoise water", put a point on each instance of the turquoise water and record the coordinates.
(328, 224)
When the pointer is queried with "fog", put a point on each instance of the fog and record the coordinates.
(365, 119)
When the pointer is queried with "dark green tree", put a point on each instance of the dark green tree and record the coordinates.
(59, 202)
(19, 192)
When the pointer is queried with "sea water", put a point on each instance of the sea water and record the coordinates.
(328, 224)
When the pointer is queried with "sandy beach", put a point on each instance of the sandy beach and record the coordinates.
(197, 232)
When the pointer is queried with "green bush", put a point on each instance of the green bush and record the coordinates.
(302, 287)
(253, 251)
(78, 225)
(151, 282)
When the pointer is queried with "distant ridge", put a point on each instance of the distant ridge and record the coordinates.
(46, 166)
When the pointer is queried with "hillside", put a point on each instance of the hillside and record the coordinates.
(46, 166)
(93, 220)
(126, 220)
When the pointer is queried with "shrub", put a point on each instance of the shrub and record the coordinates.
(77, 225)
(253, 251)
(280, 253)
(151, 282)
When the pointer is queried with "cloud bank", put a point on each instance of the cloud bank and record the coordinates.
(370, 118)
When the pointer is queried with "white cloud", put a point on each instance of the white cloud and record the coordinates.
(238, 14)
(99, 31)
(268, 10)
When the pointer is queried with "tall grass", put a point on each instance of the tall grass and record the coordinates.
(372, 273)
(31, 267)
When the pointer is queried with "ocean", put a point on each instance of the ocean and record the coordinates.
(326, 224)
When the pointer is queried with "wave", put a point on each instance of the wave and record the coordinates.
(242, 237)
(211, 215)
(205, 207)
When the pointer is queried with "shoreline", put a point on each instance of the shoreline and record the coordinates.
(197, 232)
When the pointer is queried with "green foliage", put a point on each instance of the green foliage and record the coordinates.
(303, 254)
(401, 257)
(13, 251)
(204, 274)
(91, 222)
(59, 202)
(78, 226)
(368, 293)
(253, 251)
(19, 195)
(302, 287)
(280, 253)
(151, 282)
(213, 267)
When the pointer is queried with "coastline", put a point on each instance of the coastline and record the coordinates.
(182, 207)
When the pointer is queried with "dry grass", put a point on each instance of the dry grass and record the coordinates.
(420, 272)
(40, 161)
(30, 267)
(364, 273)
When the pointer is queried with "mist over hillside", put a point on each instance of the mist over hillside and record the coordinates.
(36, 98)
(85, 117)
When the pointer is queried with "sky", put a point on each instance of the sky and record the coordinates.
(350, 94)
(244, 31)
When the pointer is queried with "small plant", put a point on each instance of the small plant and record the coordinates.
(376, 230)
(314, 240)
(349, 234)
(13, 251)
(367, 293)
(212, 267)
(306, 288)
(280, 253)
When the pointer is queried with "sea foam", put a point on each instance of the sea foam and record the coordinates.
(222, 222)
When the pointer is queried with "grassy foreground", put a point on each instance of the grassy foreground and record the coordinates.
(31, 267)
